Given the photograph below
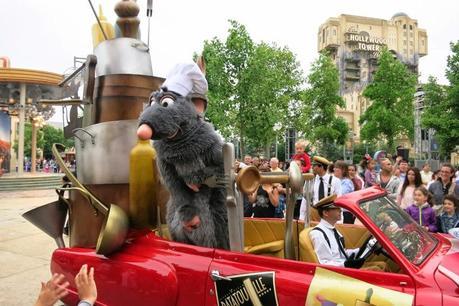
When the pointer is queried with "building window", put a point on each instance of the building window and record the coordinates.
(411, 34)
(404, 34)
(404, 42)
(422, 42)
(334, 32)
(411, 27)
(411, 43)
(370, 27)
(404, 26)
(404, 51)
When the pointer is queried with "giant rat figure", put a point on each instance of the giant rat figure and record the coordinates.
(188, 152)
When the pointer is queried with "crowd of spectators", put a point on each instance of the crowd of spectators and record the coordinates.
(431, 198)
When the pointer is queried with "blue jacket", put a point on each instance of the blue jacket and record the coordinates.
(445, 222)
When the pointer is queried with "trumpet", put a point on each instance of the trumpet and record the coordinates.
(249, 178)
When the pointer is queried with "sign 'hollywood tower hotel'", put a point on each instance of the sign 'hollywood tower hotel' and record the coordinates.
(354, 42)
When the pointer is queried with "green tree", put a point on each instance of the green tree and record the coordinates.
(435, 97)
(441, 103)
(251, 86)
(46, 137)
(317, 117)
(52, 135)
(391, 94)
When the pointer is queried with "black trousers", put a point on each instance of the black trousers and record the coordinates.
(348, 217)
(296, 211)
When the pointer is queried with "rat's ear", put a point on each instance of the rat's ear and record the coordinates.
(151, 99)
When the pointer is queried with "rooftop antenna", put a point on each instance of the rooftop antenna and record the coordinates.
(149, 14)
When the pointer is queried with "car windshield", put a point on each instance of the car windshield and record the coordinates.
(411, 239)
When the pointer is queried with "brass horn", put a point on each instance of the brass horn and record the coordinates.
(249, 178)
(116, 223)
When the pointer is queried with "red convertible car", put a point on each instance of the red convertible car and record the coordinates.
(150, 269)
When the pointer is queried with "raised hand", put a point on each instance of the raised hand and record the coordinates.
(87, 290)
(52, 291)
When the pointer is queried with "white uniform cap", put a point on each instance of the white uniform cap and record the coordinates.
(186, 78)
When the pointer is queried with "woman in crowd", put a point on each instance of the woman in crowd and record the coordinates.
(406, 190)
(357, 181)
(450, 217)
(421, 211)
(340, 170)
(265, 199)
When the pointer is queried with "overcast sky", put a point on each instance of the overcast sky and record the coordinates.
(47, 34)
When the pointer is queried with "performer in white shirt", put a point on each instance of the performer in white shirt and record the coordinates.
(328, 242)
(325, 184)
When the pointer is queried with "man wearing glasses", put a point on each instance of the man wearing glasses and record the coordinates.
(444, 184)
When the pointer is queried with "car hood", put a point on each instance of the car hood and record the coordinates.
(449, 264)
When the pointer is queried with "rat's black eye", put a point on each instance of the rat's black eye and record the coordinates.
(167, 101)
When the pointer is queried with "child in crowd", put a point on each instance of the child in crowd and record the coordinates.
(421, 211)
(370, 173)
(450, 217)
(301, 155)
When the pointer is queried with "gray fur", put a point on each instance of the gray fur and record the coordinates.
(193, 155)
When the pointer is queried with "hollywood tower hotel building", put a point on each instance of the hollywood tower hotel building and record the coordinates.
(354, 42)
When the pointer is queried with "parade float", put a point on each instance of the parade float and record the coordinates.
(118, 227)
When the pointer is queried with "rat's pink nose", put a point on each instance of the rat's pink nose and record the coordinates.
(144, 132)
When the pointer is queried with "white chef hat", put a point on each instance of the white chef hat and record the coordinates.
(186, 78)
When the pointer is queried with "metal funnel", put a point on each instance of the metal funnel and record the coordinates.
(50, 218)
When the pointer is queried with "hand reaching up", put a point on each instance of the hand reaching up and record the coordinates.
(87, 290)
(52, 291)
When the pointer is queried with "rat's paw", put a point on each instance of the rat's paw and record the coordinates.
(193, 224)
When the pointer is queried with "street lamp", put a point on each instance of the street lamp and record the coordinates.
(348, 148)
(277, 126)
(366, 146)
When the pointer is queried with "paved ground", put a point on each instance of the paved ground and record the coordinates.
(25, 250)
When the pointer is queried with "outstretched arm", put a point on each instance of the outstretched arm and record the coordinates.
(195, 172)
(171, 176)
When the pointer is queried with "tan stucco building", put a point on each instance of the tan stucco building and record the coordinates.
(355, 42)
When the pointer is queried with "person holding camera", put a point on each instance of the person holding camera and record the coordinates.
(265, 199)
